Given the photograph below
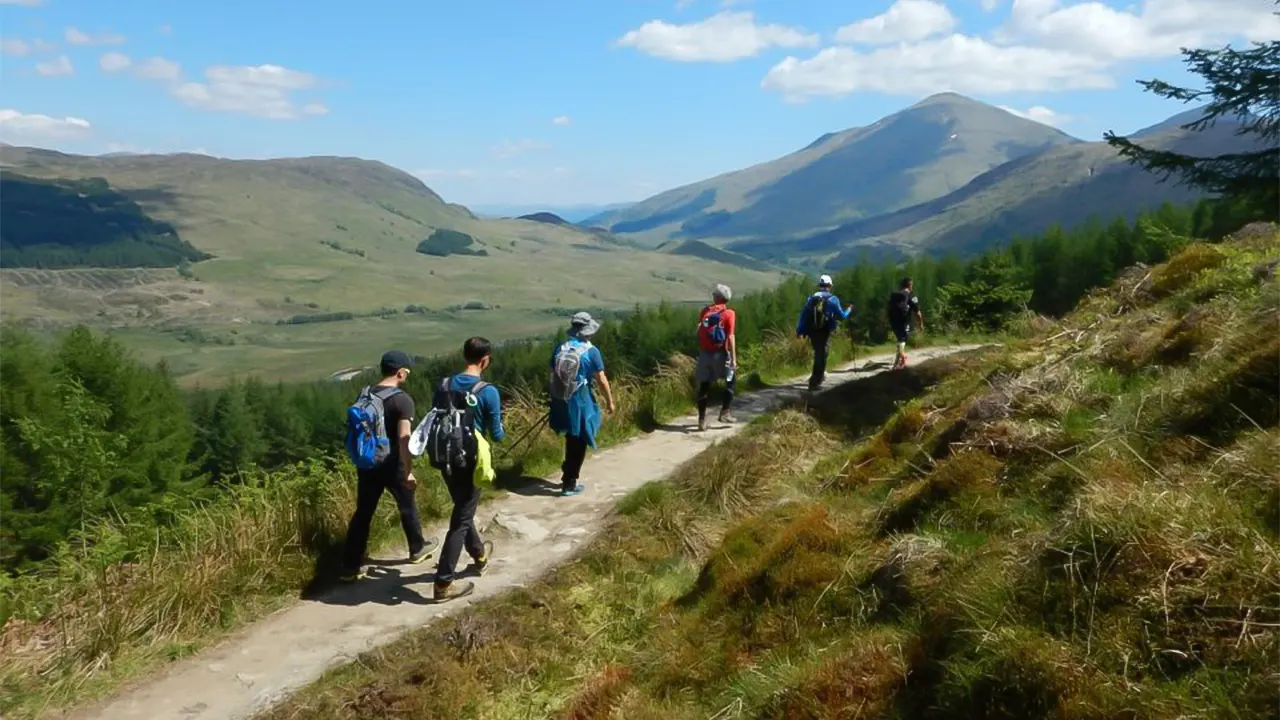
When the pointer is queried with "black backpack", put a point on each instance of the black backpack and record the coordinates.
(899, 307)
(819, 319)
(451, 427)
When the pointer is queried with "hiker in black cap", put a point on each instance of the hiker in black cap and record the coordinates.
(392, 473)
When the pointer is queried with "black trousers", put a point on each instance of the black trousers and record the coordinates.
(369, 488)
(575, 453)
(462, 523)
(704, 395)
(821, 347)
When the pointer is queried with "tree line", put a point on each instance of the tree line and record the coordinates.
(85, 429)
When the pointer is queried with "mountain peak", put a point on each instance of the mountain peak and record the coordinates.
(948, 98)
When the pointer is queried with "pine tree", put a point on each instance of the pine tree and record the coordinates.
(1240, 84)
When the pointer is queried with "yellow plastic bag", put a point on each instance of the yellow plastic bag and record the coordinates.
(484, 462)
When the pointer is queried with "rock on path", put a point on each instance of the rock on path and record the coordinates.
(535, 530)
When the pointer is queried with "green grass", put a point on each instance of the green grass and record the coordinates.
(148, 592)
(1002, 535)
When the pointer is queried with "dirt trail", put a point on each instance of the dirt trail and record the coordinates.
(533, 531)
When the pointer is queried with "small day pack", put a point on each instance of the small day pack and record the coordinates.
(367, 443)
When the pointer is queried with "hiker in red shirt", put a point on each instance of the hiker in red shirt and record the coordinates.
(717, 353)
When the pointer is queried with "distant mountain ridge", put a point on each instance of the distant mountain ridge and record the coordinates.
(918, 154)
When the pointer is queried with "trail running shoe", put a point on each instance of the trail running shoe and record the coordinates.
(702, 424)
(727, 417)
(444, 592)
(424, 554)
(482, 562)
(577, 490)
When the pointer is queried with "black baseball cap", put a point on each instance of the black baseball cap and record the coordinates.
(393, 360)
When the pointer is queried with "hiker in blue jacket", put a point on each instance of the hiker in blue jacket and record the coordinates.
(576, 365)
(821, 315)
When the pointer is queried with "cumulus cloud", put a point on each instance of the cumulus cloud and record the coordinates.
(56, 67)
(723, 37)
(114, 62)
(1040, 114)
(904, 21)
(1045, 45)
(158, 68)
(561, 120)
(17, 47)
(507, 149)
(17, 127)
(76, 36)
(265, 91)
(958, 63)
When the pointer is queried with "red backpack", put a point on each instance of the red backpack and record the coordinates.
(711, 331)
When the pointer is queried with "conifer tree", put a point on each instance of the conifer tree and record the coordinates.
(1240, 84)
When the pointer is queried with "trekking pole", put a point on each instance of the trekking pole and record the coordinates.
(527, 434)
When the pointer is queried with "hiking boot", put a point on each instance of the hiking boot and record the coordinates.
(444, 592)
(726, 417)
(482, 562)
(353, 576)
(424, 554)
(575, 490)
(702, 424)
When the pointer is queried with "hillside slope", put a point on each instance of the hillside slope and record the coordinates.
(328, 236)
(1066, 185)
(1082, 525)
(916, 155)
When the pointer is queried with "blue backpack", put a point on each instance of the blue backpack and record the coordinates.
(367, 442)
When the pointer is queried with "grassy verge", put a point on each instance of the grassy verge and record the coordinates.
(147, 593)
(1081, 525)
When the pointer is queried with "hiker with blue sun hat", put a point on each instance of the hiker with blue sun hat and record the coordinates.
(576, 367)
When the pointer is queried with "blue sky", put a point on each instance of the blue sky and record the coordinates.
(573, 101)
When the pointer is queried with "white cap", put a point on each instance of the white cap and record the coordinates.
(824, 280)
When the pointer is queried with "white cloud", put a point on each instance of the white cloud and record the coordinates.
(904, 21)
(1040, 114)
(75, 36)
(507, 149)
(264, 91)
(59, 66)
(723, 37)
(16, 127)
(561, 120)
(990, 5)
(114, 62)
(958, 63)
(1045, 45)
(158, 68)
(16, 47)
(119, 147)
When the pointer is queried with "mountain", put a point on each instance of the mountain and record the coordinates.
(571, 213)
(697, 248)
(309, 240)
(913, 156)
(1067, 186)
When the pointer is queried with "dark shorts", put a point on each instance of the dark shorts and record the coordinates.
(901, 332)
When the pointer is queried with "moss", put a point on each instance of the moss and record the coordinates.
(1183, 268)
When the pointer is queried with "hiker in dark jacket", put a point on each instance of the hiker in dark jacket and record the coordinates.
(903, 306)
(574, 410)
(821, 315)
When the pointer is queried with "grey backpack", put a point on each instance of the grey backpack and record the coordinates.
(564, 374)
